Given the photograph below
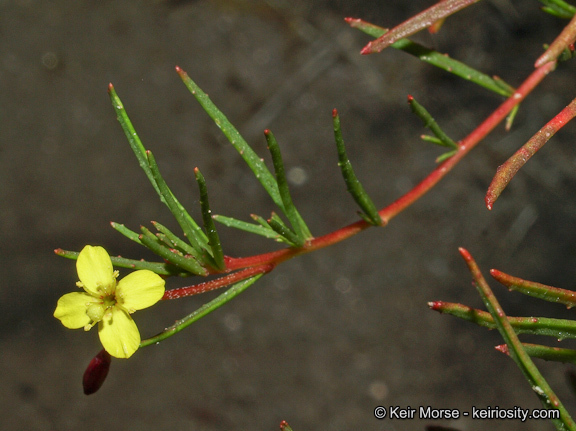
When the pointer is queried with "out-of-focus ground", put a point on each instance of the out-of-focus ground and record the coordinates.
(326, 337)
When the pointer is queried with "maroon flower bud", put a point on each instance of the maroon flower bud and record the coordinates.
(96, 372)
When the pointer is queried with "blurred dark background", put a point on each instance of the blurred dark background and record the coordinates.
(326, 337)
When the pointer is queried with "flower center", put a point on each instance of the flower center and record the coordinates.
(96, 310)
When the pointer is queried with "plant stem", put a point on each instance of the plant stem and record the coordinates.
(396, 207)
(387, 213)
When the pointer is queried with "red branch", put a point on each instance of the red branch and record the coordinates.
(265, 262)
(508, 169)
(217, 283)
(427, 18)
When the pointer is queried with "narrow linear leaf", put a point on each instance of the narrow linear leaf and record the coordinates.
(285, 232)
(559, 8)
(133, 139)
(437, 59)
(213, 238)
(207, 308)
(431, 123)
(238, 142)
(537, 290)
(556, 328)
(516, 351)
(511, 116)
(176, 242)
(261, 220)
(297, 223)
(188, 263)
(506, 171)
(353, 185)
(245, 226)
(432, 139)
(159, 268)
(264, 223)
(193, 233)
(445, 156)
(418, 22)
(556, 354)
(130, 234)
(164, 240)
(164, 193)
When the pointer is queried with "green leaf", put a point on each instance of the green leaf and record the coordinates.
(445, 156)
(213, 238)
(207, 308)
(536, 290)
(353, 185)
(191, 230)
(250, 157)
(559, 8)
(245, 226)
(296, 221)
(188, 263)
(132, 137)
(151, 169)
(431, 123)
(159, 268)
(516, 351)
(556, 328)
(284, 231)
(176, 242)
(130, 234)
(547, 353)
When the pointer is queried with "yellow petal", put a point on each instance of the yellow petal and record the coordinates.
(140, 289)
(71, 310)
(95, 271)
(119, 334)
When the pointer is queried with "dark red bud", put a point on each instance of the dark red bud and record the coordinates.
(96, 372)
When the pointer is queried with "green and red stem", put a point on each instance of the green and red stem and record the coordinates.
(270, 260)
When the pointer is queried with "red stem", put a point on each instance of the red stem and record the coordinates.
(217, 283)
(510, 167)
(269, 260)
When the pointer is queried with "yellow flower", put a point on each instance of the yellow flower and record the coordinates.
(107, 302)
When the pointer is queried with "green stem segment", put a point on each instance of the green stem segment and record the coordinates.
(556, 328)
(556, 354)
(207, 308)
(516, 350)
(537, 290)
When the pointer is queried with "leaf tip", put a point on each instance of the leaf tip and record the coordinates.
(367, 49)
(490, 199)
(180, 71)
